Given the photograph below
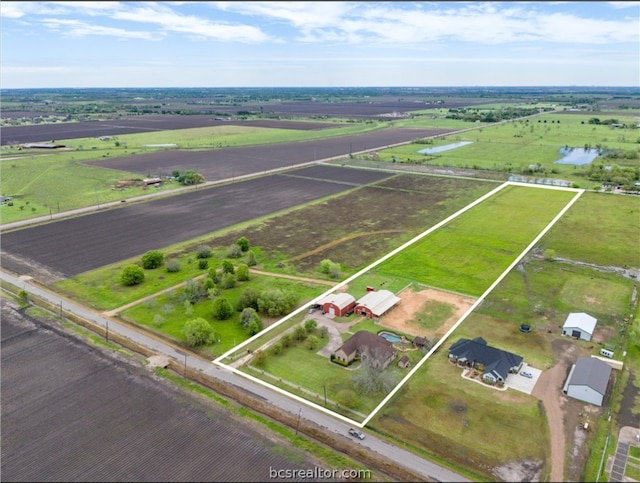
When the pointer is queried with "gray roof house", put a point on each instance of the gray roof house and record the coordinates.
(365, 344)
(495, 364)
(579, 325)
(588, 380)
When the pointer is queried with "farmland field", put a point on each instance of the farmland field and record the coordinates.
(73, 413)
(99, 239)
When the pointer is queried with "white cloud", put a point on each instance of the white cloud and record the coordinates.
(76, 28)
(169, 20)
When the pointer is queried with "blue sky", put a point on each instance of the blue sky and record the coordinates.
(318, 44)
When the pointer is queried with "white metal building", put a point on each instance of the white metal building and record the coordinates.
(579, 325)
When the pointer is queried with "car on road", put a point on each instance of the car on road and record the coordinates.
(526, 374)
(356, 433)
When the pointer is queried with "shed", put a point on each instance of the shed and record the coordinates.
(404, 362)
(419, 342)
(579, 325)
(376, 303)
(588, 380)
(338, 304)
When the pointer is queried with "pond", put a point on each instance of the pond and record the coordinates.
(446, 147)
(577, 156)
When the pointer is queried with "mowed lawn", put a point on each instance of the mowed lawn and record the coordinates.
(463, 422)
(470, 252)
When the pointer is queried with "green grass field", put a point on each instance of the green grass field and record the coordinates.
(462, 422)
(470, 252)
(607, 226)
(515, 145)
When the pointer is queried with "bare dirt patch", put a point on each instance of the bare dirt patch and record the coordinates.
(401, 317)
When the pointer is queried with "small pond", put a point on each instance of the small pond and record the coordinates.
(446, 147)
(577, 156)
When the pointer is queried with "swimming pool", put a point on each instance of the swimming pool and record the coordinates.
(390, 337)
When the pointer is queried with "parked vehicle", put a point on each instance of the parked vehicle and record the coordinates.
(526, 374)
(356, 433)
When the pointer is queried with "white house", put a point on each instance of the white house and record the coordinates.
(579, 325)
(588, 380)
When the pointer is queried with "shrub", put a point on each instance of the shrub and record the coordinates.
(228, 280)
(173, 265)
(242, 272)
(131, 275)
(276, 349)
(203, 251)
(198, 332)
(243, 243)
(152, 259)
(222, 309)
(234, 251)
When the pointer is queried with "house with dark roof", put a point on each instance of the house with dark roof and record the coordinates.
(363, 345)
(375, 303)
(588, 380)
(495, 364)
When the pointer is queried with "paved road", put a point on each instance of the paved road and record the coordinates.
(416, 464)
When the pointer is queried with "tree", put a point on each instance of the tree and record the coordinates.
(242, 272)
(275, 302)
(251, 259)
(325, 266)
(260, 358)
(227, 267)
(152, 259)
(371, 378)
(299, 333)
(190, 177)
(198, 332)
(234, 251)
(243, 243)
(203, 251)
(254, 328)
(247, 316)
(222, 309)
(132, 275)
(312, 342)
(310, 326)
(228, 280)
(23, 298)
(173, 265)
(249, 298)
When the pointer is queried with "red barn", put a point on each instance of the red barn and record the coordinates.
(338, 304)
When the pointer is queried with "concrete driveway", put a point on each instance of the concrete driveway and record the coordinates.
(521, 383)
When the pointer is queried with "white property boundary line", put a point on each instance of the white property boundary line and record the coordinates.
(301, 400)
